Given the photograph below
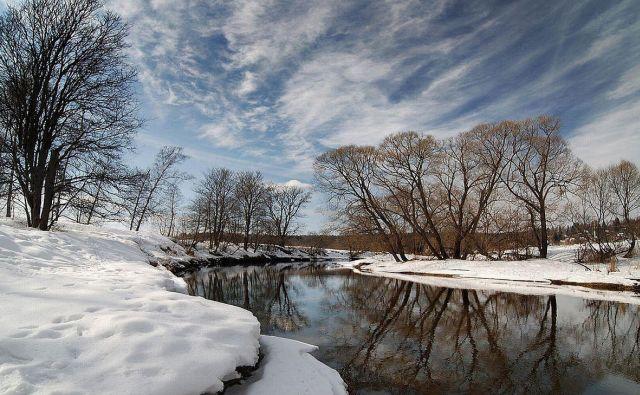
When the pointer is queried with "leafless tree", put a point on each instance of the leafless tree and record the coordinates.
(469, 174)
(100, 197)
(541, 169)
(442, 189)
(625, 184)
(216, 191)
(347, 175)
(407, 163)
(168, 216)
(66, 97)
(284, 203)
(148, 191)
(251, 194)
(593, 211)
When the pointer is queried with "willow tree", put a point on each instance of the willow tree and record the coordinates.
(66, 97)
(541, 169)
(625, 183)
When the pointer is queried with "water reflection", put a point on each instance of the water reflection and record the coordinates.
(400, 337)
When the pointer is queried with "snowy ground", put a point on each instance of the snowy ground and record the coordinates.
(82, 311)
(535, 276)
(290, 368)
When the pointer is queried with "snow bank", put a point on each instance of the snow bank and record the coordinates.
(535, 276)
(289, 369)
(82, 311)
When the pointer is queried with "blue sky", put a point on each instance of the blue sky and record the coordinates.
(270, 84)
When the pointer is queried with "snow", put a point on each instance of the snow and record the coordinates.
(83, 312)
(532, 276)
(230, 254)
(289, 369)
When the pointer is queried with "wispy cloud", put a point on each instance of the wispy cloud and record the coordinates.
(282, 81)
(610, 136)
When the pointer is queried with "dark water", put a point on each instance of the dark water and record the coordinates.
(391, 336)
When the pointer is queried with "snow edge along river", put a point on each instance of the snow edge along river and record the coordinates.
(83, 311)
(556, 275)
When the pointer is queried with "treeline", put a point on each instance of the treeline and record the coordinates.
(238, 207)
(493, 190)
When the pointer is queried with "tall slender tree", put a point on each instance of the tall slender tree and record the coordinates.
(251, 195)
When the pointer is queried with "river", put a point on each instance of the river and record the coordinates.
(391, 336)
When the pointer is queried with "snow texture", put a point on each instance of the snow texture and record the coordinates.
(289, 369)
(82, 311)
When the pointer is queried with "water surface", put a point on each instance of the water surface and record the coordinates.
(391, 336)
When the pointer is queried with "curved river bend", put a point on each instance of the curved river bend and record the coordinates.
(391, 336)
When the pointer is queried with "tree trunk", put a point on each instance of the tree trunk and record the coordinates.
(245, 240)
(94, 203)
(457, 247)
(49, 190)
(10, 193)
(544, 241)
(401, 253)
(632, 246)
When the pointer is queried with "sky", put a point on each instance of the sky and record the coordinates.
(269, 85)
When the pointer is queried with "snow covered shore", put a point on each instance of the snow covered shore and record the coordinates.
(235, 255)
(83, 311)
(556, 275)
(289, 369)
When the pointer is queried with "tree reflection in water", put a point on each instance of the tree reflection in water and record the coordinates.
(405, 337)
(265, 292)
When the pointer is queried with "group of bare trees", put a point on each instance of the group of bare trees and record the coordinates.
(67, 109)
(242, 207)
(603, 212)
(68, 114)
(494, 188)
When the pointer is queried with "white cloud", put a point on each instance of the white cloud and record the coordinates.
(629, 83)
(248, 84)
(610, 136)
(221, 135)
(266, 34)
(341, 82)
(297, 183)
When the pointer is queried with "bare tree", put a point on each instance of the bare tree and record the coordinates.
(145, 197)
(541, 169)
(407, 163)
(101, 195)
(593, 212)
(347, 175)
(625, 184)
(283, 208)
(66, 96)
(442, 189)
(7, 177)
(217, 193)
(469, 174)
(251, 194)
(168, 215)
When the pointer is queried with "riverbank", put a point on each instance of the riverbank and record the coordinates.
(233, 255)
(556, 275)
(84, 311)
